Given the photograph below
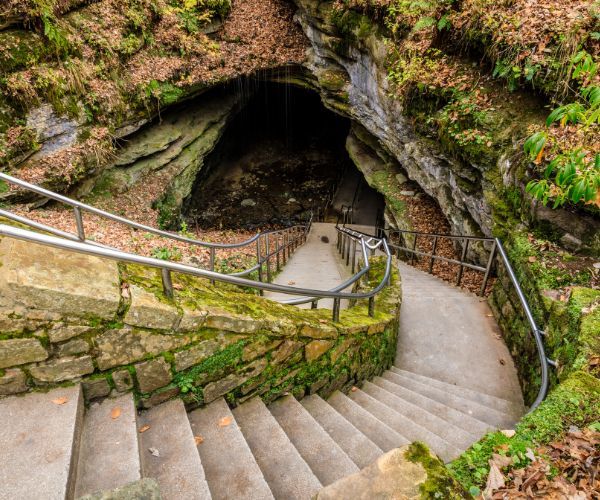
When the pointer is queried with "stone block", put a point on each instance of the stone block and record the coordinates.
(315, 349)
(319, 331)
(68, 283)
(124, 346)
(205, 349)
(62, 332)
(230, 322)
(144, 489)
(147, 311)
(62, 369)
(96, 388)
(256, 349)
(123, 380)
(221, 387)
(340, 349)
(75, 346)
(192, 320)
(160, 397)
(285, 350)
(376, 328)
(153, 374)
(15, 352)
(12, 382)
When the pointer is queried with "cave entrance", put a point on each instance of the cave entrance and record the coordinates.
(282, 156)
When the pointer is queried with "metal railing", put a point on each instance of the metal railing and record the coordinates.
(292, 238)
(496, 250)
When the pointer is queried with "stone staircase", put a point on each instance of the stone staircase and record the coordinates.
(54, 448)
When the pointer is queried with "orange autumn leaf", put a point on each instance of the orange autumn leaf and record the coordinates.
(144, 429)
(225, 421)
(60, 401)
(198, 440)
(115, 413)
(540, 155)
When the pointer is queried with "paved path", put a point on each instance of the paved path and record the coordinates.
(449, 334)
(316, 264)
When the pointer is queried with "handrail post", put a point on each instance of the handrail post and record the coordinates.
(348, 252)
(285, 240)
(371, 306)
(488, 269)
(353, 256)
(259, 262)
(414, 248)
(268, 257)
(277, 254)
(79, 223)
(212, 262)
(313, 304)
(433, 249)
(167, 282)
(336, 310)
(462, 260)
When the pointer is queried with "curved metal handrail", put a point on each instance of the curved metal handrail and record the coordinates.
(168, 267)
(497, 248)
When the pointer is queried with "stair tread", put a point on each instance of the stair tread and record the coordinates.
(229, 466)
(177, 469)
(381, 434)
(481, 412)
(40, 441)
(442, 428)
(284, 469)
(494, 402)
(409, 428)
(361, 450)
(458, 418)
(109, 456)
(322, 454)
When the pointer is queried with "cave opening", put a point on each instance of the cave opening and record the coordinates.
(282, 157)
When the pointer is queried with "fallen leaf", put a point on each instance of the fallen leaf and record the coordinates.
(502, 362)
(508, 432)
(354, 389)
(225, 421)
(115, 413)
(532, 258)
(60, 401)
(154, 452)
(291, 282)
(495, 480)
(144, 429)
(198, 440)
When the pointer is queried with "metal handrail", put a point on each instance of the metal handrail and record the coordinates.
(497, 248)
(168, 267)
(79, 208)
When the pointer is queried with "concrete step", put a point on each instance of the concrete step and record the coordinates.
(229, 466)
(286, 472)
(510, 407)
(382, 435)
(39, 439)
(408, 428)
(468, 406)
(323, 455)
(355, 444)
(109, 456)
(177, 468)
(447, 431)
(458, 418)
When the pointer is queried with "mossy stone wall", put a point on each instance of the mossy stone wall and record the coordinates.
(206, 343)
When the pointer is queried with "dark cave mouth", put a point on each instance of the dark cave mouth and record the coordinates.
(281, 158)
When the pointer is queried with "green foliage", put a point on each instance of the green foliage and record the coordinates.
(572, 175)
(165, 253)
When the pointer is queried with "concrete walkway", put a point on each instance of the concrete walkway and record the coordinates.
(316, 264)
(449, 334)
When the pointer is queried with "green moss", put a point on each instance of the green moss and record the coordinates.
(574, 402)
(439, 483)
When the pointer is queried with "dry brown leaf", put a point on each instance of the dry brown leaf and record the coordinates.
(115, 413)
(354, 389)
(60, 401)
(225, 421)
(198, 440)
(144, 429)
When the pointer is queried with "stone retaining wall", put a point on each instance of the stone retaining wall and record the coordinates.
(66, 318)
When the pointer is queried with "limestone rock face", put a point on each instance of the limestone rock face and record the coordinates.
(148, 311)
(38, 277)
(62, 369)
(391, 476)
